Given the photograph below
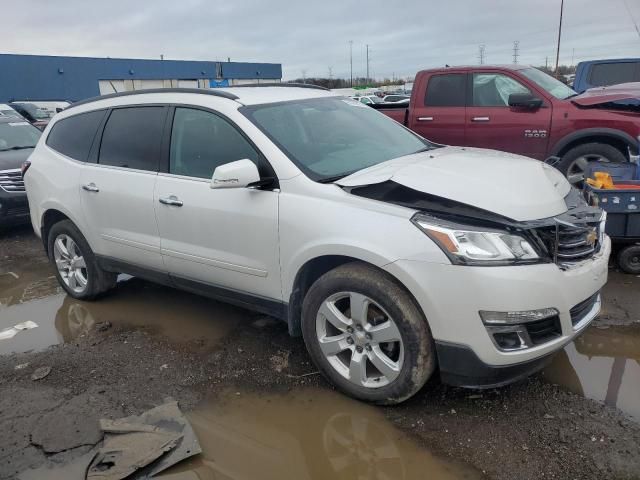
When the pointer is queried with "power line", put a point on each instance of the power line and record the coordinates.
(516, 47)
(635, 24)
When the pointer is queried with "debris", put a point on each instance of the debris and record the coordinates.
(303, 375)
(524, 447)
(547, 416)
(453, 411)
(164, 366)
(40, 373)
(280, 361)
(103, 326)
(21, 366)
(473, 397)
(145, 445)
(11, 332)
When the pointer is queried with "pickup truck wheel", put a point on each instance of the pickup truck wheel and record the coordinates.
(575, 161)
(366, 335)
(629, 259)
(75, 264)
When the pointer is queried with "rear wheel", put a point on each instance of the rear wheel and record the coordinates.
(574, 162)
(629, 259)
(366, 335)
(76, 267)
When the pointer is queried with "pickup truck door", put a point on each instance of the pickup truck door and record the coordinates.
(439, 116)
(492, 123)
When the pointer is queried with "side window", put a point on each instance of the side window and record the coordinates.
(132, 137)
(493, 89)
(202, 141)
(448, 90)
(613, 73)
(73, 136)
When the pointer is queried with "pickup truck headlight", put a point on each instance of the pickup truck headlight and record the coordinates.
(468, 245)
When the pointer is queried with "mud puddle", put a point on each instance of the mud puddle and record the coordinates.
(307, 434)
(602, 364)
(32, 294)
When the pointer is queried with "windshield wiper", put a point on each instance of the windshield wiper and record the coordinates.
(334, 178)
(20, 147)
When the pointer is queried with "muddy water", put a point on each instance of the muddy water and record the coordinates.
(309, 434)
(32, 294)
(602, 364)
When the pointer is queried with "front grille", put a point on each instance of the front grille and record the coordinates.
(11, 180)
(17, 211)
(580, 311)
(543, 331)
(571, 243)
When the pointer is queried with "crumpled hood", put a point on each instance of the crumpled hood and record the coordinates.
(510, 185)
(613, 93)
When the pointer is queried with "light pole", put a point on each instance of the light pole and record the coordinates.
(559, 35)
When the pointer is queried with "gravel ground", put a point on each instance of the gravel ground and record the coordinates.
(530, 430)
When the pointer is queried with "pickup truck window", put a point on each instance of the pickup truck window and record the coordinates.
(493, 89)
(549, 84)
(603, 74)
(329, 138)
(446, 90)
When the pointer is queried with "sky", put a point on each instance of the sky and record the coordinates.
(311, 38)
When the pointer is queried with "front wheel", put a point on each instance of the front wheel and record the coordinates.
(574, 163)
(366, 335)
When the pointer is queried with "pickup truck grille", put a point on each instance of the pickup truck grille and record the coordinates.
(571, 243)
(11, 180)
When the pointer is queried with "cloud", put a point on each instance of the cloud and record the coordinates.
(313, 36)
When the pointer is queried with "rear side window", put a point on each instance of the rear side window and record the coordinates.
(446, 90)
(613, 73)
(73, 136)
(132, 137)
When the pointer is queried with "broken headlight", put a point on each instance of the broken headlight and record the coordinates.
(469, 245)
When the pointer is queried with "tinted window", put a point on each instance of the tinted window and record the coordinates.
(132, 138)
(493, 89)
(73, 136)
(202, 141)
(613, 73)
(446, 90)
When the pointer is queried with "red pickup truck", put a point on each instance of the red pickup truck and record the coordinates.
(523, 110)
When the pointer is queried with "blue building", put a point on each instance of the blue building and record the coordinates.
(39, 77)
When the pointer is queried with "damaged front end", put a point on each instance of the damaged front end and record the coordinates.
(470, 235)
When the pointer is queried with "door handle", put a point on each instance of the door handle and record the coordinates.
(91, 187)
(171, 200)
(480, 119)
(425, 119)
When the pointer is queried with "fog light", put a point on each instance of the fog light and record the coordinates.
(509, 340)
(516, 318)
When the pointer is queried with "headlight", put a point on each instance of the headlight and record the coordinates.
(471, 246)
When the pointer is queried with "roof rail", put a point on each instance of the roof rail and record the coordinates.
(201, 91)
(280, 84)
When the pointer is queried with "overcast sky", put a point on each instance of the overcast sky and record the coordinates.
(312, 35)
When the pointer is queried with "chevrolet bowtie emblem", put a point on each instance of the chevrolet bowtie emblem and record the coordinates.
(592, 236)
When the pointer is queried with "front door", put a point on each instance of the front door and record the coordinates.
(440, 115)
(492, 123)
(117, 191)
(220, 237)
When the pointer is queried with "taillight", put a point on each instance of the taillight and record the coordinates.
(25, 166)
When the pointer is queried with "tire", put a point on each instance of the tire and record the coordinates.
(413, 356)
(574, 161)
(70, 272)
(629, 259)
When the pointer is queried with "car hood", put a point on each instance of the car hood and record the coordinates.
(613, 93)
(12, 159)
(512, 186)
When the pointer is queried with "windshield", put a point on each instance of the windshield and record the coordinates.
(14, 135)
(552, 85)
(329, 138)
(35, 112)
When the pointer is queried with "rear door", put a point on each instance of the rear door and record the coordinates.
(440, 115)
(117, 188)
(492, 123)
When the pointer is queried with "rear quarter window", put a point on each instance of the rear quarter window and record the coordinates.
(604, 74)
(448, 90)
(73, 136)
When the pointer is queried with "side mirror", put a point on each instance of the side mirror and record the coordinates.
(238, 174)
(524, 100)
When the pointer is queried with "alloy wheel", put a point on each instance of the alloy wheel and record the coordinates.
(577, 169)
(359, 339)
(70, 263)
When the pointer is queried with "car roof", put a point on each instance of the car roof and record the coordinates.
(11, 119)
(478, 67)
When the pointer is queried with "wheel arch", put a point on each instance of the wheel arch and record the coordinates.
(610, 136)
(49, 218)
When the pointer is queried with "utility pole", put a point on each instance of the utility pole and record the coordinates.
(516, 48)
(351, 60)
(573, 56)
(304, 76)
(546, 63)
(330, 73)
(559, 36)
(367, 63)
(481, 53)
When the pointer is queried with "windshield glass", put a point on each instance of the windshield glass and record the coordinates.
(552, 85)
(328, 138)
(18, 134)
(35, 112)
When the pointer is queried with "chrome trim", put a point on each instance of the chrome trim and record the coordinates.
(11, 180)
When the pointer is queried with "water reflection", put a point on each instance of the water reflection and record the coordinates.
(309, 434)
(602, 364)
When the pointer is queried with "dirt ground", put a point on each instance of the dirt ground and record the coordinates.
(243, 383)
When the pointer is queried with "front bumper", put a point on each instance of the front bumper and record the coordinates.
(451, 297)
(14, 208)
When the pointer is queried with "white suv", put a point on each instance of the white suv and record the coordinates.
(391, 255)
